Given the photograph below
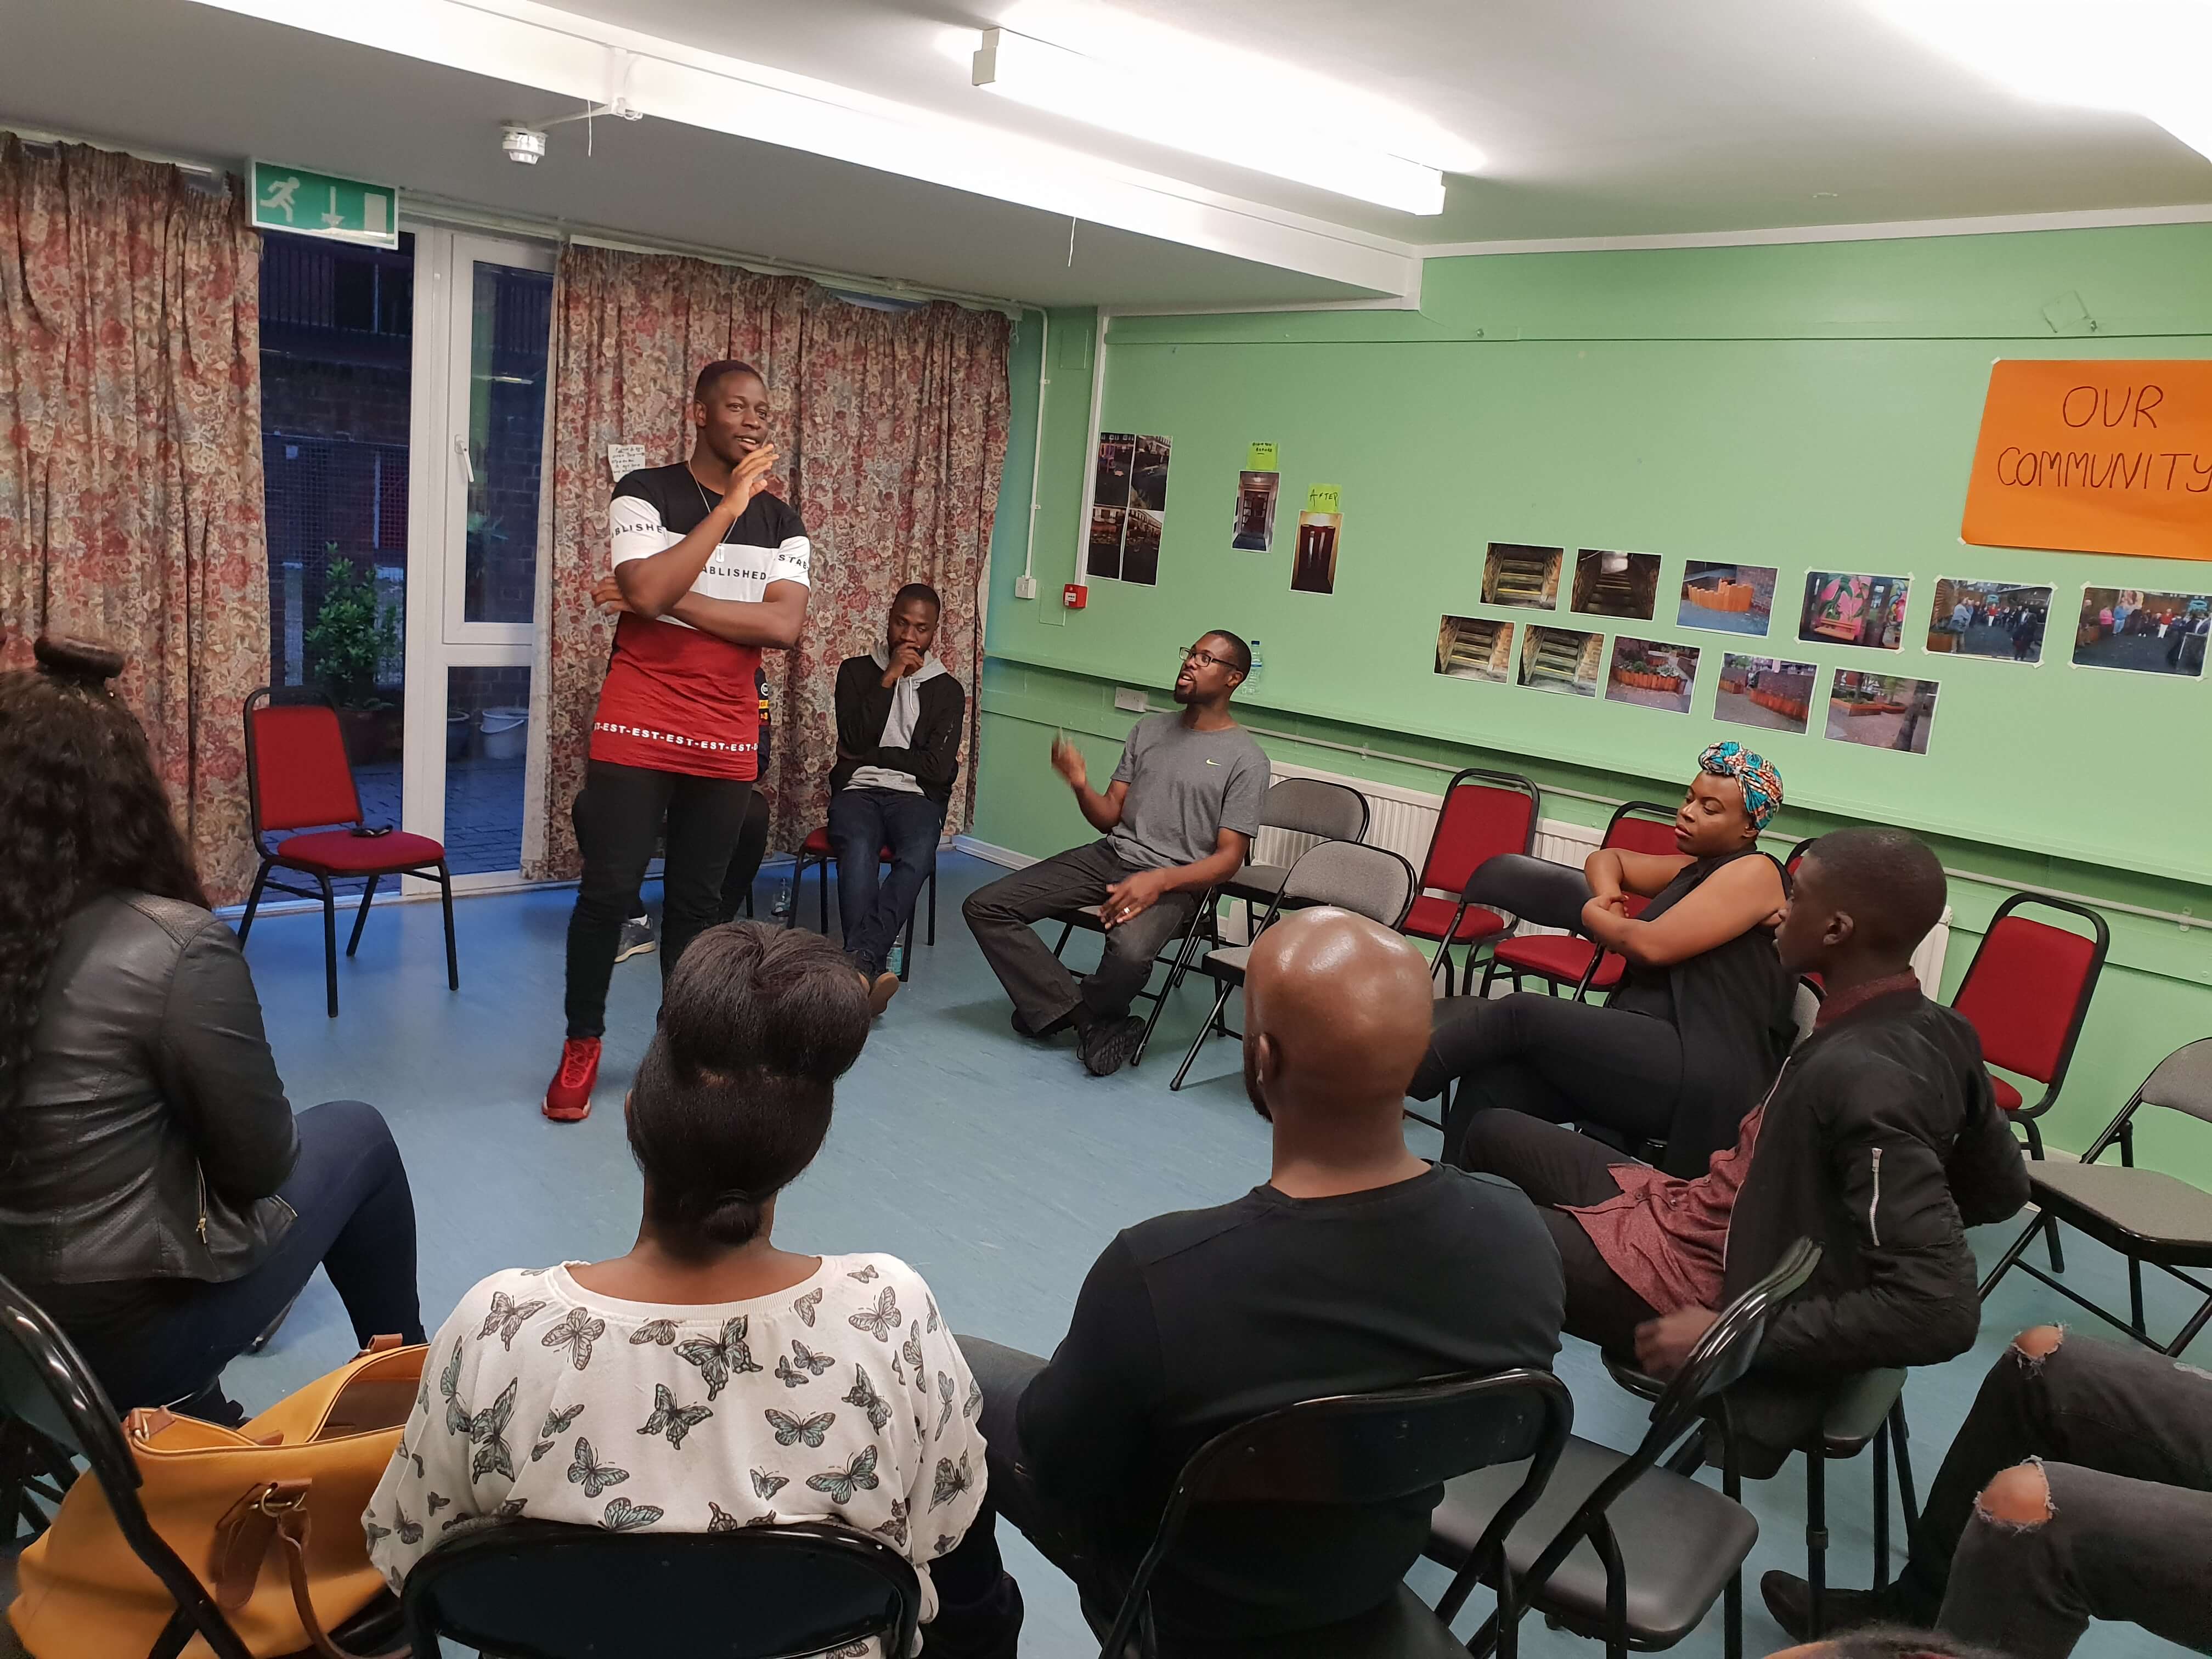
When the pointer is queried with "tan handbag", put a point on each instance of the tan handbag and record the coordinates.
(267, 1517)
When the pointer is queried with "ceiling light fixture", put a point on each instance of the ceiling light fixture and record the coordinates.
(2148, 58)
(1166, 108)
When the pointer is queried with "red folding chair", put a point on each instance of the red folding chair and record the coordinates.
(1636, 826)
(297, 776)
(2025, 993)
(1485, 813)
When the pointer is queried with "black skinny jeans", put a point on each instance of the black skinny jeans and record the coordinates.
(619, 816)
(2125, 1436)
(745, 860)
(356, 1221)
(1555, 1059)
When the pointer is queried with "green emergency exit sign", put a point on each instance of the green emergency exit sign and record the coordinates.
(321, 204)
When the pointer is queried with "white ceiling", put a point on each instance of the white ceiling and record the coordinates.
(1598, 118)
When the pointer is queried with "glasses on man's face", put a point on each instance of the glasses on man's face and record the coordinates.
(1193, 657)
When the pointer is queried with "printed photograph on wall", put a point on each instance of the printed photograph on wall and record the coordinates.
(1882, 711)
(1475, 648)
(1844, 608)
(1104, 559)
(1623, 585)
(1988, 619)
(1313, 569)
(1117, 460)
(1140, 546)
(1652, 674)
(1562, 660)
(1765, 691)
(1254, 528)
(1730, 598)
(1517, 574)
(1148, 479)
(2142, 633)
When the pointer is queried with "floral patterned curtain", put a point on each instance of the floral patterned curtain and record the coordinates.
(131, 504)
(892, 428)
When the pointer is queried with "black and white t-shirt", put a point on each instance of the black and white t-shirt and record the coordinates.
(676, 699)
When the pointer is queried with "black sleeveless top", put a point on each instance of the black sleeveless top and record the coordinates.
(1734, 1006)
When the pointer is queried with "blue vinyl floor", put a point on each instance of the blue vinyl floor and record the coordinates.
(994, 1166)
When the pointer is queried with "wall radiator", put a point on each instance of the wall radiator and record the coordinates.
(1403, 820)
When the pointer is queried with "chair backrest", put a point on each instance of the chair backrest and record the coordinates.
(2028, 987)
(1313, 806)
(46, 1383)
(1718, 1361)
(1370, 1448)
(1372, 881)
(1804, 1008)
(540, 1589)
(2182, 1082)
(1797, 854)
(296, 765)
(1484, 814)
(1536, 889)
(1642, 826)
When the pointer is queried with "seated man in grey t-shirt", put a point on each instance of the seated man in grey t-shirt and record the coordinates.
(1178, 818)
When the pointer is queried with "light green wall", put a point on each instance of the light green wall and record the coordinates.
(1808, 407)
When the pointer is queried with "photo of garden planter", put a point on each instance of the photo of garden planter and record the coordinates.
(1729, 598)
(1844, 608)
(1652, 675)
(1881, 711)
(1765, 691)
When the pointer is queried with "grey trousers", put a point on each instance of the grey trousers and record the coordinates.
(2124, 1438)
(1002, 917)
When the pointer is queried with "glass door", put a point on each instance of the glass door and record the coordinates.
(484, 311)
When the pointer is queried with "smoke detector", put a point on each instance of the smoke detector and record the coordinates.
(525, 146)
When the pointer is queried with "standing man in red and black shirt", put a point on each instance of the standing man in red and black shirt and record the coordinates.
(709, 570)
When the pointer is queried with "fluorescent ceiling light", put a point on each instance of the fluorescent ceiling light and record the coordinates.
(1227, 121)
(2148, 58)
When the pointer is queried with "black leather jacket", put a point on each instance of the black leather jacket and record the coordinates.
(152, 1131)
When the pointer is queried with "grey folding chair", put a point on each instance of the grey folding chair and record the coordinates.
(2147, 1215)
(1371, 881)
(1302, 806)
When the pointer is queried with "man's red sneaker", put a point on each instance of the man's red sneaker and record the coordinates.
(568, 1096)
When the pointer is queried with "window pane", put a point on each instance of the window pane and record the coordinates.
(512, 321)
(487, 735)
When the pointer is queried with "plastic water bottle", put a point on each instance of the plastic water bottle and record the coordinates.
(895, 958)
(782, 904)
(1256, 664)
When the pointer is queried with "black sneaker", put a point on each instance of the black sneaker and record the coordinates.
(1789, 1598)
(1110, 1044)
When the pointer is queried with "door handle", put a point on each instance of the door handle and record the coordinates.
(461, 449)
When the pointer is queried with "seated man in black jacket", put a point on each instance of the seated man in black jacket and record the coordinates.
(1881, 1139)
(900, 716)
(1189, 1324)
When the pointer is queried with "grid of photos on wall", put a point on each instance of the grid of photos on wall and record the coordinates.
(1128, 509)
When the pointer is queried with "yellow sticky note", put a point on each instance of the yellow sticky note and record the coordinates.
(1260, 458)
(1322, 498)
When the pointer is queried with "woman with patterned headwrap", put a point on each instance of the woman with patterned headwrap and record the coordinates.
(1702, 1017)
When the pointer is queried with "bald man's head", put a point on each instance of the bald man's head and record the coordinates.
(1337, 1015)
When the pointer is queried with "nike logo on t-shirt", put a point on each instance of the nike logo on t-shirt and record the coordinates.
(1213, 762)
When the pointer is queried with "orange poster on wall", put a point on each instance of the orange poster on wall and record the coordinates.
(2095, 458)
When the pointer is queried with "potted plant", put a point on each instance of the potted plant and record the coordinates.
(352, 635)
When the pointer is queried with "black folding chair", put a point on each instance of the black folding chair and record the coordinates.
(1203, 925)
(1616, 1547)
(45, 1386)
(1309, 807)
(540, 1589)
(2145, 1215)
(1365, 1449)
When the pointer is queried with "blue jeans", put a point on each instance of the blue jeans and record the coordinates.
(356, 1220)
(862, 823)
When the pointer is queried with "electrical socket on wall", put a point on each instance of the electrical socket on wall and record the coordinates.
(1130, 701)
(1025, 587)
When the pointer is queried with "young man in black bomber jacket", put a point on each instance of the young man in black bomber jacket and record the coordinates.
(900, 716)
(1881, 1141)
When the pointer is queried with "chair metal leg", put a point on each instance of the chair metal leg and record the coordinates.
(1199, 1042)
(2005, 1262)
(361, 916)
(2135, 1297)
(1731, 1489)
(1881, 1508)
(329, 944)
(905, 954)
(823, 884)
(2189, 1331)
(1816, 1532)
(253, 900)
(452, 953)
(933, 907)
(1900, 1440)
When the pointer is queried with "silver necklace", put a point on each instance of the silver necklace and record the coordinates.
(705, 501)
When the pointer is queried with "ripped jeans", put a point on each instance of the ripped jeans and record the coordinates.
(2124, 1438)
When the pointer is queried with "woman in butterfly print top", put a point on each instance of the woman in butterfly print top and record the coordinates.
(705, 1381)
